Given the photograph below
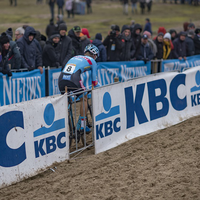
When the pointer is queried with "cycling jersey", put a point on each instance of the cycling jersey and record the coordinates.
(71, 74)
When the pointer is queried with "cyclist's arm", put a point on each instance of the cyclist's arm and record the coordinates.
(94, 75)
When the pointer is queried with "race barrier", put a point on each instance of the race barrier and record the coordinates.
(180, 65)
(21, 87)
(33, 136)
(137, 107)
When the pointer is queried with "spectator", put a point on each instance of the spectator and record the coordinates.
(145, 53)
(84, 38)
(128, 49)
(180, 47)
(137, 39)
(113, 43)
(4, 68)
(159, 44)
(60, 4)
(185, 26)
(191, 26)
(59, 21)
(65, 46)
(69, 8)
(50, 56)
(74, 34)
(147, 26)
(134, 5)
(15, 2)
(173, 34)
(102, 50)
(19, 32)
(51, 5)
(50, 29)
(142, 5)
(39, 39)
(197, 41)
(132, 26)
(30, 55)
(89, 7)
(161, 30)
(125, 7)
(10, 51)
(149, 5)
(167, 50)
(151, 43)
(190, 49)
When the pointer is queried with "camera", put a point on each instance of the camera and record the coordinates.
(113, 32)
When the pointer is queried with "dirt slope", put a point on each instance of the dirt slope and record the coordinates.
(161, 165)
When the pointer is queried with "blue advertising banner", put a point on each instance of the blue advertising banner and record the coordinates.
(22, 86)
(106, 73)
(180, 65)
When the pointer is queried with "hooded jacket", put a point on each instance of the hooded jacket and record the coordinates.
(136, 39)
(102, 50)
(129, 47)
(30, 55)
(179, 48)
(50, 56)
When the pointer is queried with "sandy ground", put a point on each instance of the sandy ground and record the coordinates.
(162, 165)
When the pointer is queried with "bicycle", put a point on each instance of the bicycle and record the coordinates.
(75, 134)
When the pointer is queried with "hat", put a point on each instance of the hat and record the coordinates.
(62, 26)
(77, 29)
(147, 19)
(197, 30)
(85, 32)
(160, 34)
(183, 33)
(55, 34)
(145, 36)
(190, 33)
(190, 25)
(116, 28)
(4, 38)
(98, 36)
(9, 32)
(167, 35)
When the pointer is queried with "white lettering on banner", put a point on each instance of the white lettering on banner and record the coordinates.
(21, 89)
(107, 75)
(197, 62)
(131, 72)
(55, 83)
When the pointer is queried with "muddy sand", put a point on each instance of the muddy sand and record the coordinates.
(162, 165)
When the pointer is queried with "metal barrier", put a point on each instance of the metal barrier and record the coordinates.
(78, 141)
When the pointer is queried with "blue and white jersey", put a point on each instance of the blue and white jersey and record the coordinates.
(83, 63)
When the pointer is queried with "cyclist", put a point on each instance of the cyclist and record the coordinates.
(71, 77)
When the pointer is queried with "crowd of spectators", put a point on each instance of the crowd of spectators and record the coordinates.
(29, 49)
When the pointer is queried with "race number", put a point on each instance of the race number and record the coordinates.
(69, 68)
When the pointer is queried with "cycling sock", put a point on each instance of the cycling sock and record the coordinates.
(83, 122)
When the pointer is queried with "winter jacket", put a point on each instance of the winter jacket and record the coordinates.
(159, 45)
(113, 47)
(147, 27)
(102, 50)
(153, 46)
(190, 49)
(76, 44)
(145, 52)
(4, 68)
(50, 56)
(179, 48)
(65, 50)
(197, 44)
(52, 2)
(136, 39)
(30, 55)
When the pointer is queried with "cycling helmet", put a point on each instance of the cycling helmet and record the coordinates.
(92, 49)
